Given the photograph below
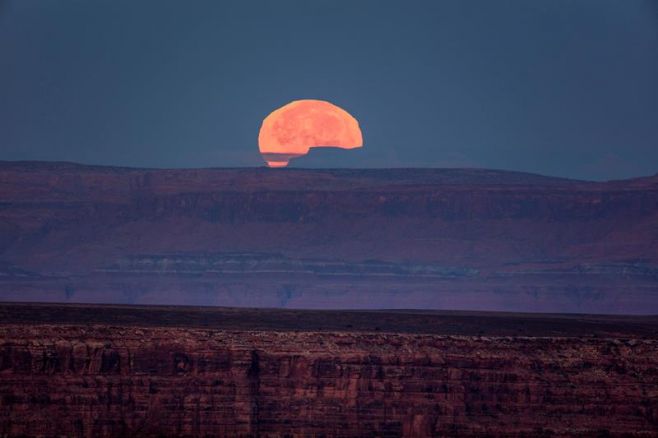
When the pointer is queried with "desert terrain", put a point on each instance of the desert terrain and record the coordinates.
(88, 371)
(468, 239)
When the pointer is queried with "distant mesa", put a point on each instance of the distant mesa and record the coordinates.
(292, 130)
(332, 157)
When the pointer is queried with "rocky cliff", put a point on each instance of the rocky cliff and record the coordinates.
(431, 238)
(137, 372)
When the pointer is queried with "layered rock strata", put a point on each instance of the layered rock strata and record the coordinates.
(96, 380)
(353, 238)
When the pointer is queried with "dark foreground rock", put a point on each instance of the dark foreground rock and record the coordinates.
(102, 379)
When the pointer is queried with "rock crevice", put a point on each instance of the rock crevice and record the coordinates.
(111, 381)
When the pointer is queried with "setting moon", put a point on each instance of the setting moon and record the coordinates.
(292, 130)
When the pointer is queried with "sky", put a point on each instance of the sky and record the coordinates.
(558, 87)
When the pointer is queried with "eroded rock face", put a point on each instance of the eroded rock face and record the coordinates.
(97, 380)
(350, 238)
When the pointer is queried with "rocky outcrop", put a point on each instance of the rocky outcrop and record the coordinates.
(455, 238)
(105, 380)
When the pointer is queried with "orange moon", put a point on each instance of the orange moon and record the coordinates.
(295, 128)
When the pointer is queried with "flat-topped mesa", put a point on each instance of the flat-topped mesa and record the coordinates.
(471, 239)
(318, 157)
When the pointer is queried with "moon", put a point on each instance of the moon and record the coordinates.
(292, 130)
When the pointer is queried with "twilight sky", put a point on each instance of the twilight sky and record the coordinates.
(559, 87)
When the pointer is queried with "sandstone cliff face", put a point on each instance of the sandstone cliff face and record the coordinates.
(104, 380)
(489, 239)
